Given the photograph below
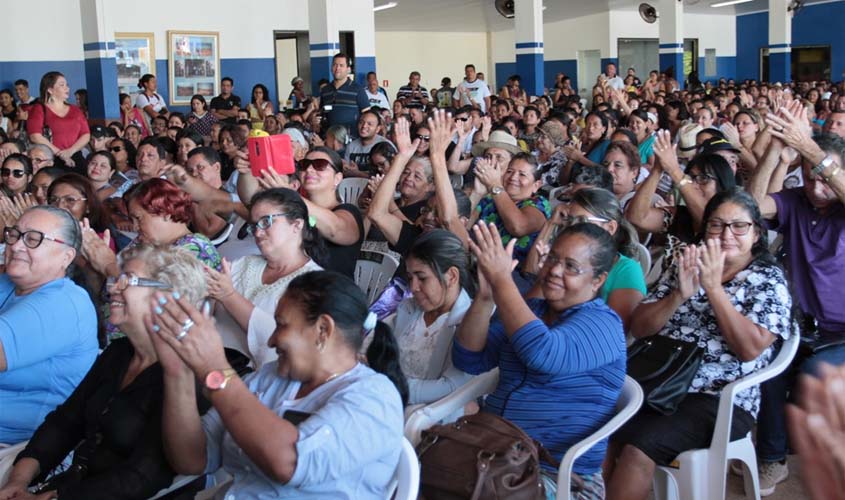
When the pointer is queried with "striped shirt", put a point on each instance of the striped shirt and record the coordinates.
(346, 104)
(559, 383)
(407, 92)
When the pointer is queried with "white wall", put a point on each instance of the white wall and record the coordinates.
(433, 54)
(53, 31)
(714, 31)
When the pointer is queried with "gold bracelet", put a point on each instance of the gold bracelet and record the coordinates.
(835, 172)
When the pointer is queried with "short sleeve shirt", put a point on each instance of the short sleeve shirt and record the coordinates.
(488, 213)
(224, 104)
(760, 293)
(346, 104)
(66, 129)
(477, 90)
(347, 448)
(626, 274)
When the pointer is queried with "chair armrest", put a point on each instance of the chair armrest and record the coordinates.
(439, 410)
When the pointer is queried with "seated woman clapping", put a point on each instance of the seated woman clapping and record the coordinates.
(561, 358)
(315, 423)
(249, 288)
(425, 323)
(730, 298)
(112, 421)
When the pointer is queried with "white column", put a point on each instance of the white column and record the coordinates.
(322, 39)
(528, 18)
(671, 25)
(780, 41)
(100, 64)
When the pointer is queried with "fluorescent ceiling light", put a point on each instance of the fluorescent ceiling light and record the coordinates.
(388, 5)
(730, 2)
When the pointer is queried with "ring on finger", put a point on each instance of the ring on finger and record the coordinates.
(181, 335)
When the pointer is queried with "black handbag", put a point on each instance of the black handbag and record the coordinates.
(664, 368)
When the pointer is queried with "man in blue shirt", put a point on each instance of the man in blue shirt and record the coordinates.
(343, 100)
(48, 326)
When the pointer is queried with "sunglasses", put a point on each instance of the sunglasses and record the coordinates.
(116, 149)
(125, 280)
(6, 172)
(425, 138)
(461, 119)
(319, 164)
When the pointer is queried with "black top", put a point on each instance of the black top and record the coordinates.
(411, 212)
(226, 104)
(342, 258)
(407, 236)
(118, 431)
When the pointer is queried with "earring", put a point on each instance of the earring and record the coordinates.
(321, 346)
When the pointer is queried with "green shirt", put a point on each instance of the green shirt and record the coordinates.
(625, 274)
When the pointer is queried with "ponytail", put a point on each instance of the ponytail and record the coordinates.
(383, 357)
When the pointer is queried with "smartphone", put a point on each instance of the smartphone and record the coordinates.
(295, 417)
(271, 152)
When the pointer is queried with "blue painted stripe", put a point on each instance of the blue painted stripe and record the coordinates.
(671, 45)
(98, 46)
(324, 46)
(530, 68)
(529, 45)
(362, 66)
(778, 45)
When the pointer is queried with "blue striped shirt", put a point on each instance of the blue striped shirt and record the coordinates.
(558, 383)
(346, 102)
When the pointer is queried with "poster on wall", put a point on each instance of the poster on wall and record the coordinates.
(193, 65)
(135, 57)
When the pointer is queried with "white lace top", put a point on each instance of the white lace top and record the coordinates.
(246, 278)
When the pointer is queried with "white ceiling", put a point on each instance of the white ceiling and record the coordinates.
(481, 16)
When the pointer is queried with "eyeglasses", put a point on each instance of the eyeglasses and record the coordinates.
(702, 179)
(31, 238)
(64, 200)
(319, 164)
(569, 220)
(738, 228)
(425, 138)
(264, 223)
(6, 172)
(116, 149)
(126, 280)
(569, 268)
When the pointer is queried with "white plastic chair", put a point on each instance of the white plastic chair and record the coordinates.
(701, 474)
(643, 257)
(373, 271)
(213, 483)
(7, 459)
(553, 201)
(628, 404)
(351, 188)
(405, 484)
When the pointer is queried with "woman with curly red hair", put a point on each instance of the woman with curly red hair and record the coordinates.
(161, 213)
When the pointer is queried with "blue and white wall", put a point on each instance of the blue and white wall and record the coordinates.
(815, 24)
(563, 40)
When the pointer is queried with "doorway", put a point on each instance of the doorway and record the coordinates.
(293, 58)
(589, 67)
(642, 54)
(811, 63)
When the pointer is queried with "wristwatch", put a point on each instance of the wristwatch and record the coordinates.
(821, 167)
(497, 190)
(217, 379)
(686, 180)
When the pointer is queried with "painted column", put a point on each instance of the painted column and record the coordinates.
(671, 24)
(364, 27)
(780, 41)
(323, 39)
(100, 64)
(529, 45)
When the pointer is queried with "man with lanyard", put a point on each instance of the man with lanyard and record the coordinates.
(812, 221)
(343, 99)
(473, 91)
(226, 106)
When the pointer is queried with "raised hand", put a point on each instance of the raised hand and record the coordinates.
(402, 132)
(270, 179)
(664, 151)
(441, 129)
(191, 334)
(96, 249)
(731, 134)
(488, 173)
(493, 258)
(791, 126)
(711, 263)
(688, 280)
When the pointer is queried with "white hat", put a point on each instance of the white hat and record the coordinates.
(498, 139)
(296, 136)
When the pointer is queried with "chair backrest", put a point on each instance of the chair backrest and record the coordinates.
(7, 460)
(628, 404)
(373, 271)
(405, 484)
(351, 188)
(643, 257)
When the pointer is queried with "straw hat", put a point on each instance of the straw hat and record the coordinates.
(498, 139)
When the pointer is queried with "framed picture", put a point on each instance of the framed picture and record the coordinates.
(193, 65)
(135, 57)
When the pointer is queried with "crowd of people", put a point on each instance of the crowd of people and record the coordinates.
(167, 311)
